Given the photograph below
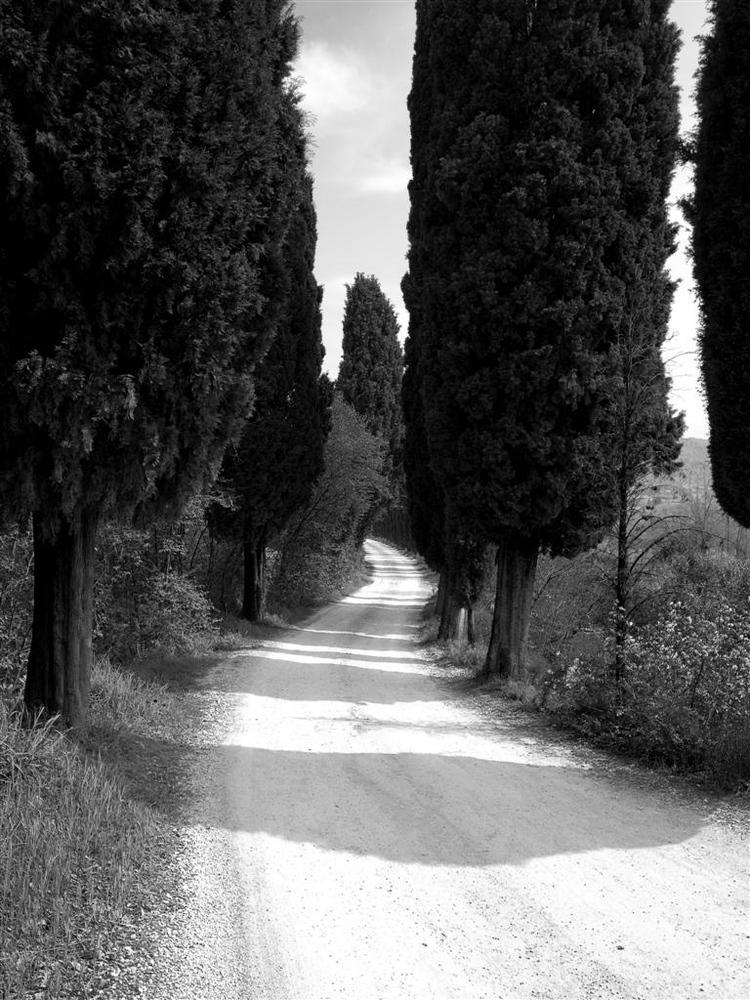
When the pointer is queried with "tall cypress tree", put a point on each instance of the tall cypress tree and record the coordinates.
(436, 530)
(721, 248)
(280, 454)
(371, 367)
(544, 139)
(139, 249)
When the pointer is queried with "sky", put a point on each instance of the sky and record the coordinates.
(355, 75)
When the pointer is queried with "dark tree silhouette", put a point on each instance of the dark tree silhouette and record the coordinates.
(280, 455)
(720, 214)
(371, 367)
(139, 252)
(544, 139)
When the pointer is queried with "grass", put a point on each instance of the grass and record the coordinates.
(79, 851)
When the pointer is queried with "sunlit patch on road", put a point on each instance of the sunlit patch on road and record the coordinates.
(407, 601)
(406, 634)
(345, 651)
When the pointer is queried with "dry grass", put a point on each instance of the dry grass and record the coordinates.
(78, 851)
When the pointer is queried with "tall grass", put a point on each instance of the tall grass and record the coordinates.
(75, 850)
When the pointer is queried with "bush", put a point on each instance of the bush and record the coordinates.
(16, 596)
(142, 603)
(685, 698)
(311, 574)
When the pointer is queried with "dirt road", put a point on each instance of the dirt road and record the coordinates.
(367, 833)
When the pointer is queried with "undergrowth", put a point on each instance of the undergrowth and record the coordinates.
(78, 853)
(684, 697)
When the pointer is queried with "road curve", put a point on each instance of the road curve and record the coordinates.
(365, 832)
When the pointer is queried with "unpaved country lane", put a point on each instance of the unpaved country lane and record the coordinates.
(367, 833)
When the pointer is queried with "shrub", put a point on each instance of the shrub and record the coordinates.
(685, 698)
(143, 601)
(311, 574)
(16, 595)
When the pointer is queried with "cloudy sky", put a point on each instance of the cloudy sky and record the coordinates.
(355, 66)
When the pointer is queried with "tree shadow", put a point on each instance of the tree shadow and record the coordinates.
(311, 679)
(434, 809)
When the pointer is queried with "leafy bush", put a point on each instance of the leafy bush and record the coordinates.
(314, 574)
(143, 603)
(685, 698)
(163, 611)
(16, 596)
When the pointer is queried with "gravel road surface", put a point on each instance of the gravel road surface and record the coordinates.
(367, 832)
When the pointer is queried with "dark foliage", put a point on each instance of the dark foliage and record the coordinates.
(544, 139)
(272, 470)
(369, 377)
(721, 248)
(139, 252)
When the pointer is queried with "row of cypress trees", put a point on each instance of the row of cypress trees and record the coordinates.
(544, 139)
(157, 231)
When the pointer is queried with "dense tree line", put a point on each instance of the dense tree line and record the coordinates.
(150, 162)
(543, 145)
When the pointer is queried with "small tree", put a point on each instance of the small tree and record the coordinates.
(646, 433)
(371, 367)
(720, 213)
(138, 255)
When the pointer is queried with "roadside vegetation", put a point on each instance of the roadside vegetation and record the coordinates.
(676, 692)
(82, 855)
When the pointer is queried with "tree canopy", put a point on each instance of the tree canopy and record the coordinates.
(721, 247)
(543, 145)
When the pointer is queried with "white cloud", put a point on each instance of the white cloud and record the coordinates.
(388, 177)
(332, 81)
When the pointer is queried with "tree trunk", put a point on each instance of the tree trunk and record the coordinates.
(442, 594)
(58, 679)
(516, 570)
(622, 582)
(456, 621)
(254, 586)
(471, 637)
(446, 614)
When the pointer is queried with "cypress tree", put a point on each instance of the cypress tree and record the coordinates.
(544, 139)
(138, 254)
(721, 248)
(459, 559)
(371, 367)
(280, 454)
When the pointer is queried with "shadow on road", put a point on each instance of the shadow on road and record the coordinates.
(434, 809)
(355, 681)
